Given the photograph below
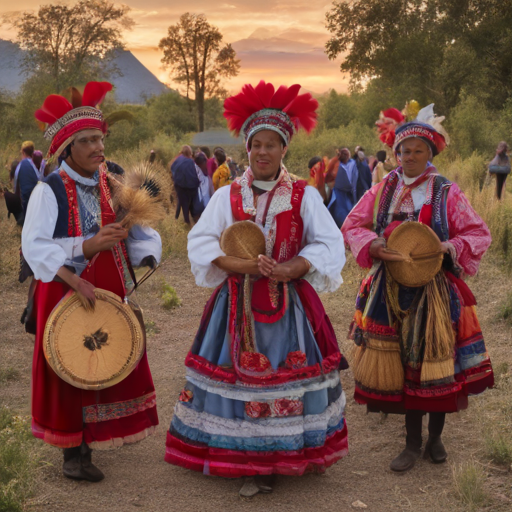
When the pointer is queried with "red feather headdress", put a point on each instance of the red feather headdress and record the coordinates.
(66, 118)
(263, 108)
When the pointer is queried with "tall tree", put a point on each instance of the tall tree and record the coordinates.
(193, 51)
(428, 49)
(71, 43)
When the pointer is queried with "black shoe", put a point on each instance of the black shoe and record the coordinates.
(266, 483)
(78, 465)
(435, 450)
(406, 460)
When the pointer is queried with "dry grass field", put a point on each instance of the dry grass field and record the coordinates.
(476, 477)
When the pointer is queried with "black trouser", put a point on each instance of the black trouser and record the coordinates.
(188, 201)
(413, 425)
(500, 183)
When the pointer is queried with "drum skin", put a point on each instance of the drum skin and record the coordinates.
(93, 349)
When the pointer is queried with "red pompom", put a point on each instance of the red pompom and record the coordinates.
(300, 108)
(395, 114)
(56, 106)
(94, 93)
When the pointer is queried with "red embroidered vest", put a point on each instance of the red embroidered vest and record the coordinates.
(269, 298)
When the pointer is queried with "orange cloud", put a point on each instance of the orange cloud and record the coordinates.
(280, 42)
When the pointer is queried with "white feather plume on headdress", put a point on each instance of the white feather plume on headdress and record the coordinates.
(426, 115)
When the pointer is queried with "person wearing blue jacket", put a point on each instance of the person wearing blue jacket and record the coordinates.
(26, 176)
(186, 184)
(344, 194)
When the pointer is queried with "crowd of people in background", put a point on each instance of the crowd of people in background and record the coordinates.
(341, 181)
(198, 174)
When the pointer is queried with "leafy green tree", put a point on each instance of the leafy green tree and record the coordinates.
(338, 110)
(71, 43)
(427, 49)
(169, 113)
(194, 53)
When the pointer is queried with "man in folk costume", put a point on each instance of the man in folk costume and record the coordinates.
(263, 393)
(71, 241)
(419, 349)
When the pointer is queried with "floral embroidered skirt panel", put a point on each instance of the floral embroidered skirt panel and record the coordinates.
(275, 408)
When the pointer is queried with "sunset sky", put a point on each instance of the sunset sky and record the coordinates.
(281, 42)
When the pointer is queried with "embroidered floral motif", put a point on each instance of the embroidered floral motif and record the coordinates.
(186, 395)
(280, 408)
(284, 407)
(296, 360)
(257, 409)
(106, 412)
(255, 362)
(74, 226)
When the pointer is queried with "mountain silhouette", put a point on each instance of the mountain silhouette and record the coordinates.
(134, 85)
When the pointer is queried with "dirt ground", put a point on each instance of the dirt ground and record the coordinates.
(138, 478)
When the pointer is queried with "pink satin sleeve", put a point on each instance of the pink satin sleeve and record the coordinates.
(468, 232)
(358, 227)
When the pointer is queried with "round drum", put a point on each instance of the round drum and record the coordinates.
(422, 253)
(243, 240)
(93, 350)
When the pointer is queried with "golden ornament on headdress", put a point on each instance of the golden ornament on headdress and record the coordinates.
(411, 110)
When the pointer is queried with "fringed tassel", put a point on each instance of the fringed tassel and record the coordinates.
(248, 339)
(437, 370)
(378, 366)
(439, 336)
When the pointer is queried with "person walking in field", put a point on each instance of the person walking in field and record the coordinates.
(263, 395)
(26, 176)
(419, 349)
(500, 168)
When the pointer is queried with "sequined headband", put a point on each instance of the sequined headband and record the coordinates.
(423, 132)
(269, 119)
(77, 114)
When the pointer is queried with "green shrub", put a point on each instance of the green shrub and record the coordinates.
(499, 447)
(9, 374)
(473, 127)
(506, 309)
(151, 328)
(468, 482)
(18, 461)
(170, 299)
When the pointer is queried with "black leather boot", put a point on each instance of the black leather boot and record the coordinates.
(435, 448)
(71, 466)
(78, 464)
(406, 460)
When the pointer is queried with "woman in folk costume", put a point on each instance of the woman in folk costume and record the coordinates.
(263, 394)
(418, 349)
(71, 241)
